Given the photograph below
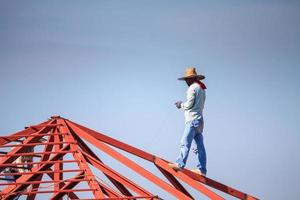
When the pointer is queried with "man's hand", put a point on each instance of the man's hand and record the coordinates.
(178, 104)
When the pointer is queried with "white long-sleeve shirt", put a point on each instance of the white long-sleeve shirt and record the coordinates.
(193, 107)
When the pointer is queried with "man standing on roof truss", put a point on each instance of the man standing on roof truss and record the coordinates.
(193, 112)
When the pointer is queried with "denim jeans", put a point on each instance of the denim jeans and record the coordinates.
(11, 179)
(193, 131)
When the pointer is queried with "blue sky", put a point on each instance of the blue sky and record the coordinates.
(113, 66)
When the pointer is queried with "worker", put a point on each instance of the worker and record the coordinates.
(193, 112)
(21, 168)
(11, 178)
(25, 159)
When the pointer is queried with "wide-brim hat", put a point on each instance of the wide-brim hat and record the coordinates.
(190, 72)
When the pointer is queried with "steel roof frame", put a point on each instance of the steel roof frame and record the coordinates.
(63, 137)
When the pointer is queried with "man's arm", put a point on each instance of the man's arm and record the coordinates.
(190, 99)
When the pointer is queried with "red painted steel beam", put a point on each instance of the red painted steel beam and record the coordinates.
(47, 148)
(58, 176)
(115, 175)
(88, 151)
(42, 162)
(26, 135)
(42, 182)
(36, 144)
(72, 195)
(37, 127)
(9, 191)
(41, 172)
(72, 131)
(196, 185)
(51, 191)
(108, 191)
(82, 164)
(151, 158)
(31, 138)
(26, 132)
(115, 143)
(34, 187)
(219, 186)
(35, 153)
(68, 186)
(129, 163)
(174, 181)
(120, 198)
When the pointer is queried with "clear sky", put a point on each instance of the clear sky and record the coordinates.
(113, 66)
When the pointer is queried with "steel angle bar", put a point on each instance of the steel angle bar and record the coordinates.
(43, 182)
(28, 177)
(109, 192)
(68, 186)
(133, 197)
(36, 144)
(42, 162)
(35, 187)
(83, 163)
(72, 195)
(115, 175)
(115, 143)
(50, 191)
(36, 153)
(219, 186)
(23, 133)
(26, 135)
(174, 181)
(85, 149)
(58, 176)
(42, 172)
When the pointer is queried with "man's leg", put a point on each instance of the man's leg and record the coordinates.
(11, 179)
(185, 144)
(201, 153)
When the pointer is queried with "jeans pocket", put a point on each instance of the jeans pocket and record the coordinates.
(195, 123)
(198, 124)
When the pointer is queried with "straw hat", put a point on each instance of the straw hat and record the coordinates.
(190, 72)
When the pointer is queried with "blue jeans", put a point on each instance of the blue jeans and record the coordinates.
(11, 179)
(193, 130)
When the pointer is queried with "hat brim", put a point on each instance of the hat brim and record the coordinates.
(199, 77)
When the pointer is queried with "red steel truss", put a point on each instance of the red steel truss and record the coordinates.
(53, 159)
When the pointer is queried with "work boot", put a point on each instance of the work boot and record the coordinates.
(174, 166)
(197, 171)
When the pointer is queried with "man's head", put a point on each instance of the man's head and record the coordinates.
(190, 81)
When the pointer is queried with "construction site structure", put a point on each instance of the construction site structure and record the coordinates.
(55, 160)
